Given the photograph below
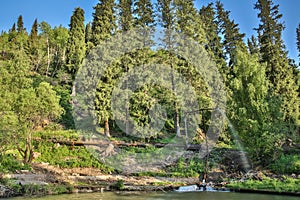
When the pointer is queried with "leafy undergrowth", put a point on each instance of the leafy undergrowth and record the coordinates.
(57, 134)
(69, 157)
(40, 190)
(286, 185)
(181, 169)
(287, 164)
(8, 163)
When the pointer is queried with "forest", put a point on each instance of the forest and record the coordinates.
(39, 65)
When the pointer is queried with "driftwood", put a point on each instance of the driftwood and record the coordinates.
(121, 144)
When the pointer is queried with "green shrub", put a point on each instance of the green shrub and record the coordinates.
(57, 134)
(68, 157)
(119, 185)
(286, 164)
(190, 168)
(287, 185)
(8, 163)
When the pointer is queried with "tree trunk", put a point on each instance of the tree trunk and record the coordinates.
(48, 57)
(176, 113)
(106, 128)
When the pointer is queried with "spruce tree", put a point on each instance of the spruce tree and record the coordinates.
(253, 45)
(20, 25)
(34, 30)
(231, 33)
(13, 28)
(125, 15)
(144, 14)
(33, 46)
(188, 21)
(214, 45)
(167, 18)
(104, 21)
(75, 50)
(88, 38)
(273, 52)
(298, 39)
(103, 27)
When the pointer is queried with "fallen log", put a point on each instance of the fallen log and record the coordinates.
(120, 144)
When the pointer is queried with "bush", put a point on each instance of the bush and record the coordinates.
(119, 185)
(68, 157)
(8, 163)
(190, 168)
(57, 135)
(286, 164)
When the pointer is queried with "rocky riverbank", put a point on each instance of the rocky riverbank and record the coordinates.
(46, 179)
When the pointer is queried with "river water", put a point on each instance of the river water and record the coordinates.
(164, 196)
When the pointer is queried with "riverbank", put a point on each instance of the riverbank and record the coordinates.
(45, 179)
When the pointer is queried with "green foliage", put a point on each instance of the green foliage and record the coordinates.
(278, 71)
(144, 14)
(140, 150)
(286, 164)
(230, 30)
(20, 25)
(210, 25)
(263, 88)
(104, 21)
(287, 185)
(68, 157)
(119, 185)
(33, 189)
(8, 163)
(62, 135)
(190, 168)
(259, 118)
(75, 50)
(65, 99)
(126, 18)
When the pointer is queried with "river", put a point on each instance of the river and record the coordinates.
(164, 196)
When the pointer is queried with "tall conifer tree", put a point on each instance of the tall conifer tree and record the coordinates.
(20, 25)
(125, 15)
(144, 14)
(33, 46)
(167, 18)
(273, 52)
(75, 51)
(298, 39)
(104, 21)
(214, 45)
(231, 33)
(103, 27)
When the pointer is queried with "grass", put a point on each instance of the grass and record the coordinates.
(68, 157)
(58, 134)
(40, 190)
(286, 185)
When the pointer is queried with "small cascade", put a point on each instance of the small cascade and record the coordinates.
(189, 188)
(201, 188)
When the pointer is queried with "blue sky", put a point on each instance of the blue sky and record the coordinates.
(57, 12)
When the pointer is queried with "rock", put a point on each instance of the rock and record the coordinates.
(6, 192)
(24, 171)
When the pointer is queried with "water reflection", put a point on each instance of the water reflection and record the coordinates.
(165, 196)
